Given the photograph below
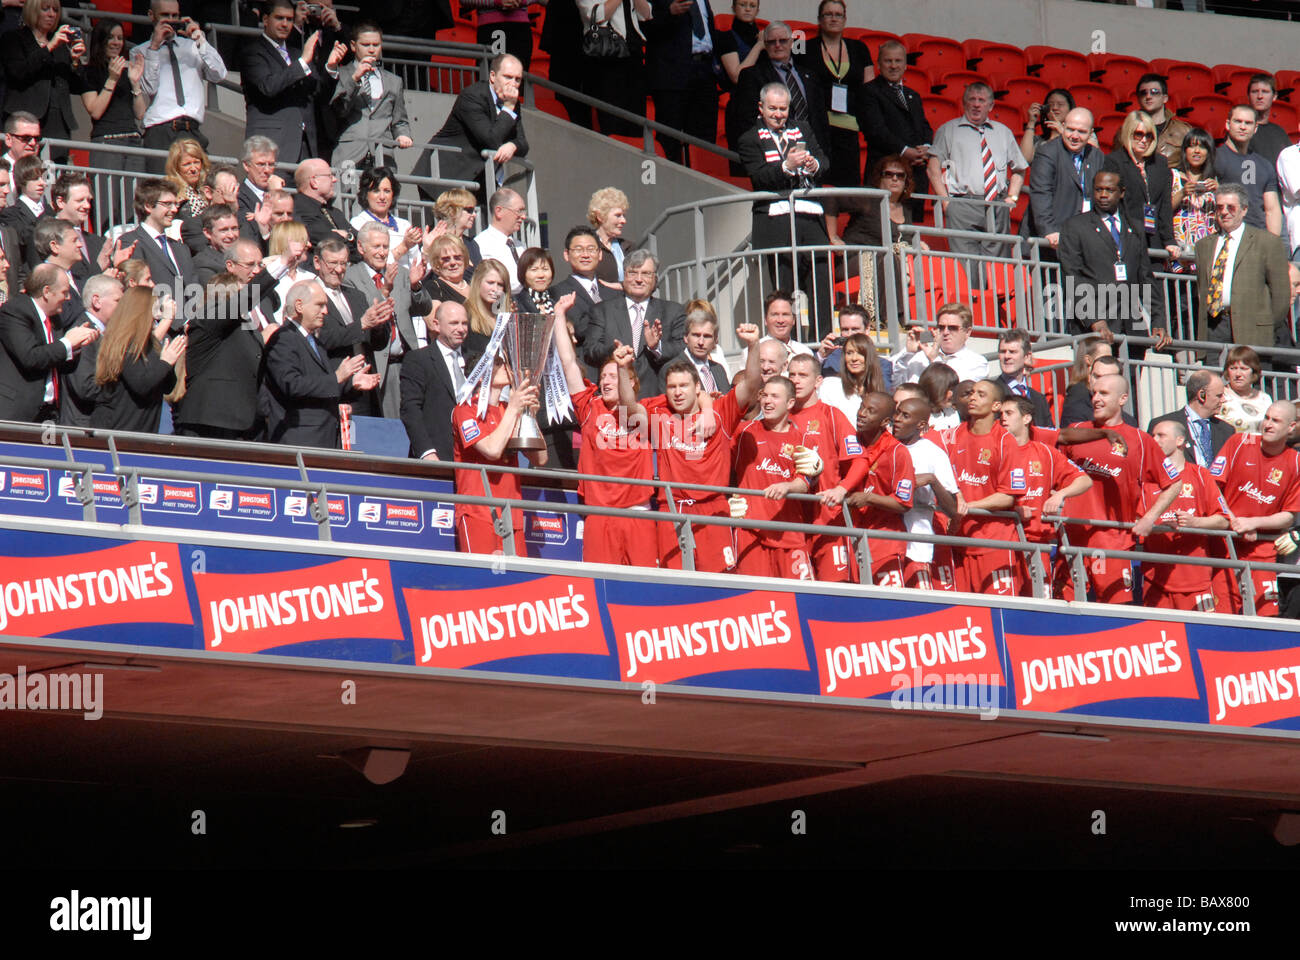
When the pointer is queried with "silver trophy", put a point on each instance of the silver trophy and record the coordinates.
(528, 346)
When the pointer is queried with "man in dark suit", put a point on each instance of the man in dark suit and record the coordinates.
(1253, 308)
(429, 383)
(1060, 179)
(55, 242)
(223, 359)
(679, 70)
(80, 391)
(776, 64)
(70, 200)
(701, 338)
(279, 89)
(582, 252)
(1014, 357)
(169, 260)
(300, 392)
(893, 121)
(411, 305)
(486, 116)
(351, 327)
(313, 205)
(780, 156)
(16, 271)
(654, 328)
(1206, 433)
(1107, 270)
(220, 188)
(258, 161)
(30, 351)
(221, 228)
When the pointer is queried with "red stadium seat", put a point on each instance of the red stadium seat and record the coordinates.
(872, 38)
(1094, 97)
(1107, 127)
(1209, 113)
(1287, 80)
(1012, 117)
(932, 54)
(801, 26)
(1230, 75)
(936, 280)
(1122, 89)
(1285, 116)
(1110, 69)
(1186, 80)
(993, 58)
(1057, 67)
(1025, 90)
(939, 110)
(917, 79)
(951, 83)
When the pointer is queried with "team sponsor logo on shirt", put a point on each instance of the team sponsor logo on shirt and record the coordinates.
(1253, 492)
(1017, 479)
(469, 430)
(1249, 688)
(1219, 465)
(1274, 477)
(986, 455)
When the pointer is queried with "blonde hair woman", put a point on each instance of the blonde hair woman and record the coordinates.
(607, 214)
(287, 253)
(489, 286)
(1148, 185)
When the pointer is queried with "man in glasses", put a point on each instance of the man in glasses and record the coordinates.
(950, 332)
(169, 260)
(582, 253)
(1060, 181)
(776, 64)
(313, 205)
(500, 239)
(1237, 163)
(22, 139)
(1152, 95)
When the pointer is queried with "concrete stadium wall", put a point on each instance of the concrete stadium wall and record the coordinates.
(1076, 25)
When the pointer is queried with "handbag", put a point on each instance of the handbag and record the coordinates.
(602, 42)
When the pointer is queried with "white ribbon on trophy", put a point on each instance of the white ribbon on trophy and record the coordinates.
(480, 378)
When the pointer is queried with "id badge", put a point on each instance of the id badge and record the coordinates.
(839, 98)
(1087, 205)
(1121, 273)
(1149, 218)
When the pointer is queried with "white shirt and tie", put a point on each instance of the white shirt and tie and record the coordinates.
(196, 62)
(495, 245)
(162, 241)
(1199, 429)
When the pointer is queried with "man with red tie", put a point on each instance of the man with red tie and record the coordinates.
(30, 353)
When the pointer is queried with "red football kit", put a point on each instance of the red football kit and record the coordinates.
(1045, 470)
(1116, 494)
(474, 530)
(827, 430)
(892, 475)
(1256, 485)
(764, 457)
(611, 450)
(683, 459)
(1182, 586)
(984, 464)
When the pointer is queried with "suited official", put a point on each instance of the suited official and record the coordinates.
(429, 383)
(485, 116)
(169, 260)
(776, 64)
(31, 354)
(1204, 399)
(1014, 357)
(892, 119)
(258, 160)
(279, 88)
(411, 305)
(701, 338)
(1060, 178)
(611, 320)
(679, 60)
(772, 158)
(80, 391)
(1103, 272)
(220, 231)
(352, 326)
(223, 360)
(1255, 296)
(313, 205)
(70, 200)
(301, 393)
(56, 243)
(369, 103)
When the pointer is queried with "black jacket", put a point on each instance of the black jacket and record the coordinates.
(428, 398)
(1088, 255)
(889, 129)
(474, 125)
(26, 359)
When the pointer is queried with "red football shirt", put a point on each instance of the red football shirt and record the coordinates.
(1199, 496)
(827, 430)
(982, 465)
(1044, 470)
(764, 457)
(469, 430)
(609, 448)
(1257, 485)
(892, 475)
(1117, 476)
(683, 457)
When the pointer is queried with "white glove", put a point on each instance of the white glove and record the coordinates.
(739, 506)
(808, 462)
(1288, 543)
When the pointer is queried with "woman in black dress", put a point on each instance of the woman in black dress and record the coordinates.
(136, 367)
(1148, 185)
(40, 60)
(843, 66)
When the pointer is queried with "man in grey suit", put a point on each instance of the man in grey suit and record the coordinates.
(378, 280)
(654, 328)
(370, 103)
(1206, 433)
(1241, 274)
(1060, 179)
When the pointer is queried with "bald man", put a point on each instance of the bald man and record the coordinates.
(1060, 180)
(313, 205)
(1260, 480)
